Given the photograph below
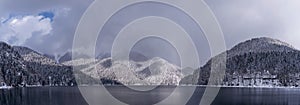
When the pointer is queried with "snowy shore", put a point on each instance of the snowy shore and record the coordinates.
(5, 87)
(212, 86)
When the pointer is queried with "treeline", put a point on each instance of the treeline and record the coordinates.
(15, 71)
(285, 65)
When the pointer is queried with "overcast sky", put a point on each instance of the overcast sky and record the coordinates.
(48, 26)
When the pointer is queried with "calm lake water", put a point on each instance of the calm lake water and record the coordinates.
(72, 96)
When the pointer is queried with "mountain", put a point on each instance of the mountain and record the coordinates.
(51, 73)
(103, 55)
(256, 62)
(138, 57)
(66, 57)
(51, 57)
(13, 69)
(155, 71)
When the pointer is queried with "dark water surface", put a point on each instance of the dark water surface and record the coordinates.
(72, 96)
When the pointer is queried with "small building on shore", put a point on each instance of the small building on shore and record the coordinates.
(264, 78)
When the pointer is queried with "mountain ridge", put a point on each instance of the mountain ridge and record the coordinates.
(155, 71)
(260, 44)
(251, 61)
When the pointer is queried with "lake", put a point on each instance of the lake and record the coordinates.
(72, 96)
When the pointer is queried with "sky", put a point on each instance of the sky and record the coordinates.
(49, 26)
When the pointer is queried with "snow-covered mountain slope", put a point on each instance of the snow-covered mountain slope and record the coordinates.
(253, 59)
(30, 55)
(155, 71)
(37, 69)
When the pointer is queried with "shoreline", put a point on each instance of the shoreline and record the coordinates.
(204, 86)
(6, 87)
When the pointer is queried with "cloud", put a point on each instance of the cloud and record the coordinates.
(66, 17)
(242, 19)
(291, 22)
(17, 30)
(46, 15)
(62, 11)
(239, 19)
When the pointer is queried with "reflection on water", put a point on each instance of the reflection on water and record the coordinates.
(42, 96)
(72, 96)
(259, 96)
